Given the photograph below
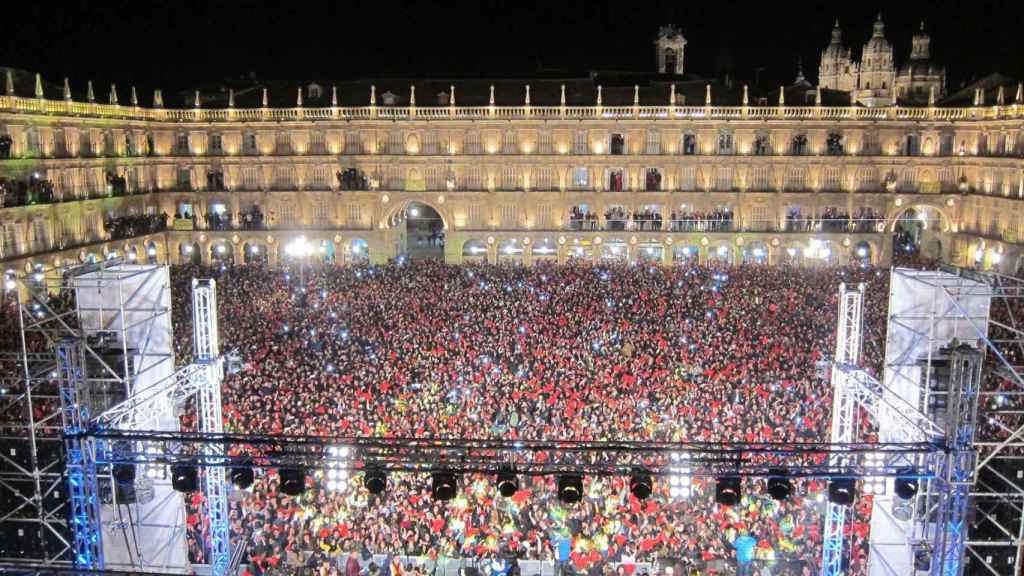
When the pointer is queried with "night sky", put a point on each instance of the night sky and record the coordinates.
(184, 44)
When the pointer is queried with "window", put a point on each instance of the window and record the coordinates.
(545, 146)
(616, 180)
(317, 142)
(872, 144)
(761, 219)
(796, 179)
(761, 178)
(544, 178)
(353, 144)
(725, 144)
(321, 213)
(652, 180)
(510, 215)
(653, 142)
(215, 143)
(689, 144)
(355, 215)
(182, 145)
(319, 178)
(617, 146)
(184, 179)
(688, 178)
(284, 177)
(431, 143)
(762, 144)
(314, 91)
(832, 180)
(476, 216)
(581, 178)
(799, 145)
(249, 143)
(723, 178)
(509, 143)
(475, 178)
(251, 176)
(473, 145)
(544, 220)
(580, 143)
(510, 178)
(834, 144)
(9, 245)
(288, 215)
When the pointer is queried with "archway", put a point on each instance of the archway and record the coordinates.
(581, 252)
(615, 251)
(544, 251)
(650, 252)
(862, 254)
(222, 253)
(685, 254)
(189, 252)
(424, 227)
(721, 254)
(916, 232)
(755, 253)
(510, 251)
(151, 252)
(357, 251)
(474, 251)
(254, 253)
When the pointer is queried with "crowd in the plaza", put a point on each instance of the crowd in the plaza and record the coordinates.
(622, 352)
(574, 352)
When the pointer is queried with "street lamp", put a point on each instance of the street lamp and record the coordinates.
(301, 249)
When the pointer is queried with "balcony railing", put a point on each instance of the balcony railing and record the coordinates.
(19, 104)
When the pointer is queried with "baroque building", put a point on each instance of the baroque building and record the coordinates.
(640, 168)
(874, 80)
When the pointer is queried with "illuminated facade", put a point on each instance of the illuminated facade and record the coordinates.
(651, 175)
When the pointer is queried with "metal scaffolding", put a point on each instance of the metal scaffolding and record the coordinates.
(78, 355)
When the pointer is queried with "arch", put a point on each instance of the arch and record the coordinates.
(222, 252)
(893, 217)
(544, 250)
(652, 252)
(685, 253)
(863, 252)
(393, 215)
(615, 250)
(721, 253)
(474, 250)
(255, 253)
(580, 252)
(755, 252)
(510, 250)
(357, 251)
(190, 252)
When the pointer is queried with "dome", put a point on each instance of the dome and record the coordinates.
(835, 49)
(877, 43)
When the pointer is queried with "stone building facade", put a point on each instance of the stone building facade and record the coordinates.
(512, 182)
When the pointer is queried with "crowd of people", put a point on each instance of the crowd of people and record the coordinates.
(572, 352)
(831, 219)
(132, 225)
(580, 352)
(717, 220)
(20, 192)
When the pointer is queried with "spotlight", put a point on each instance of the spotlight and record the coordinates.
(444, 486)
(124, 473)
(727, 490)
(184, 478)
(293, 481)
(905, 486)
(842, 491)
(570, 488)
(242, 478)
(508, 484)
(779, 487)
(376, 481)
(641, 484)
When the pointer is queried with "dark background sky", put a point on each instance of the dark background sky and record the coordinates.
(179, 45)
